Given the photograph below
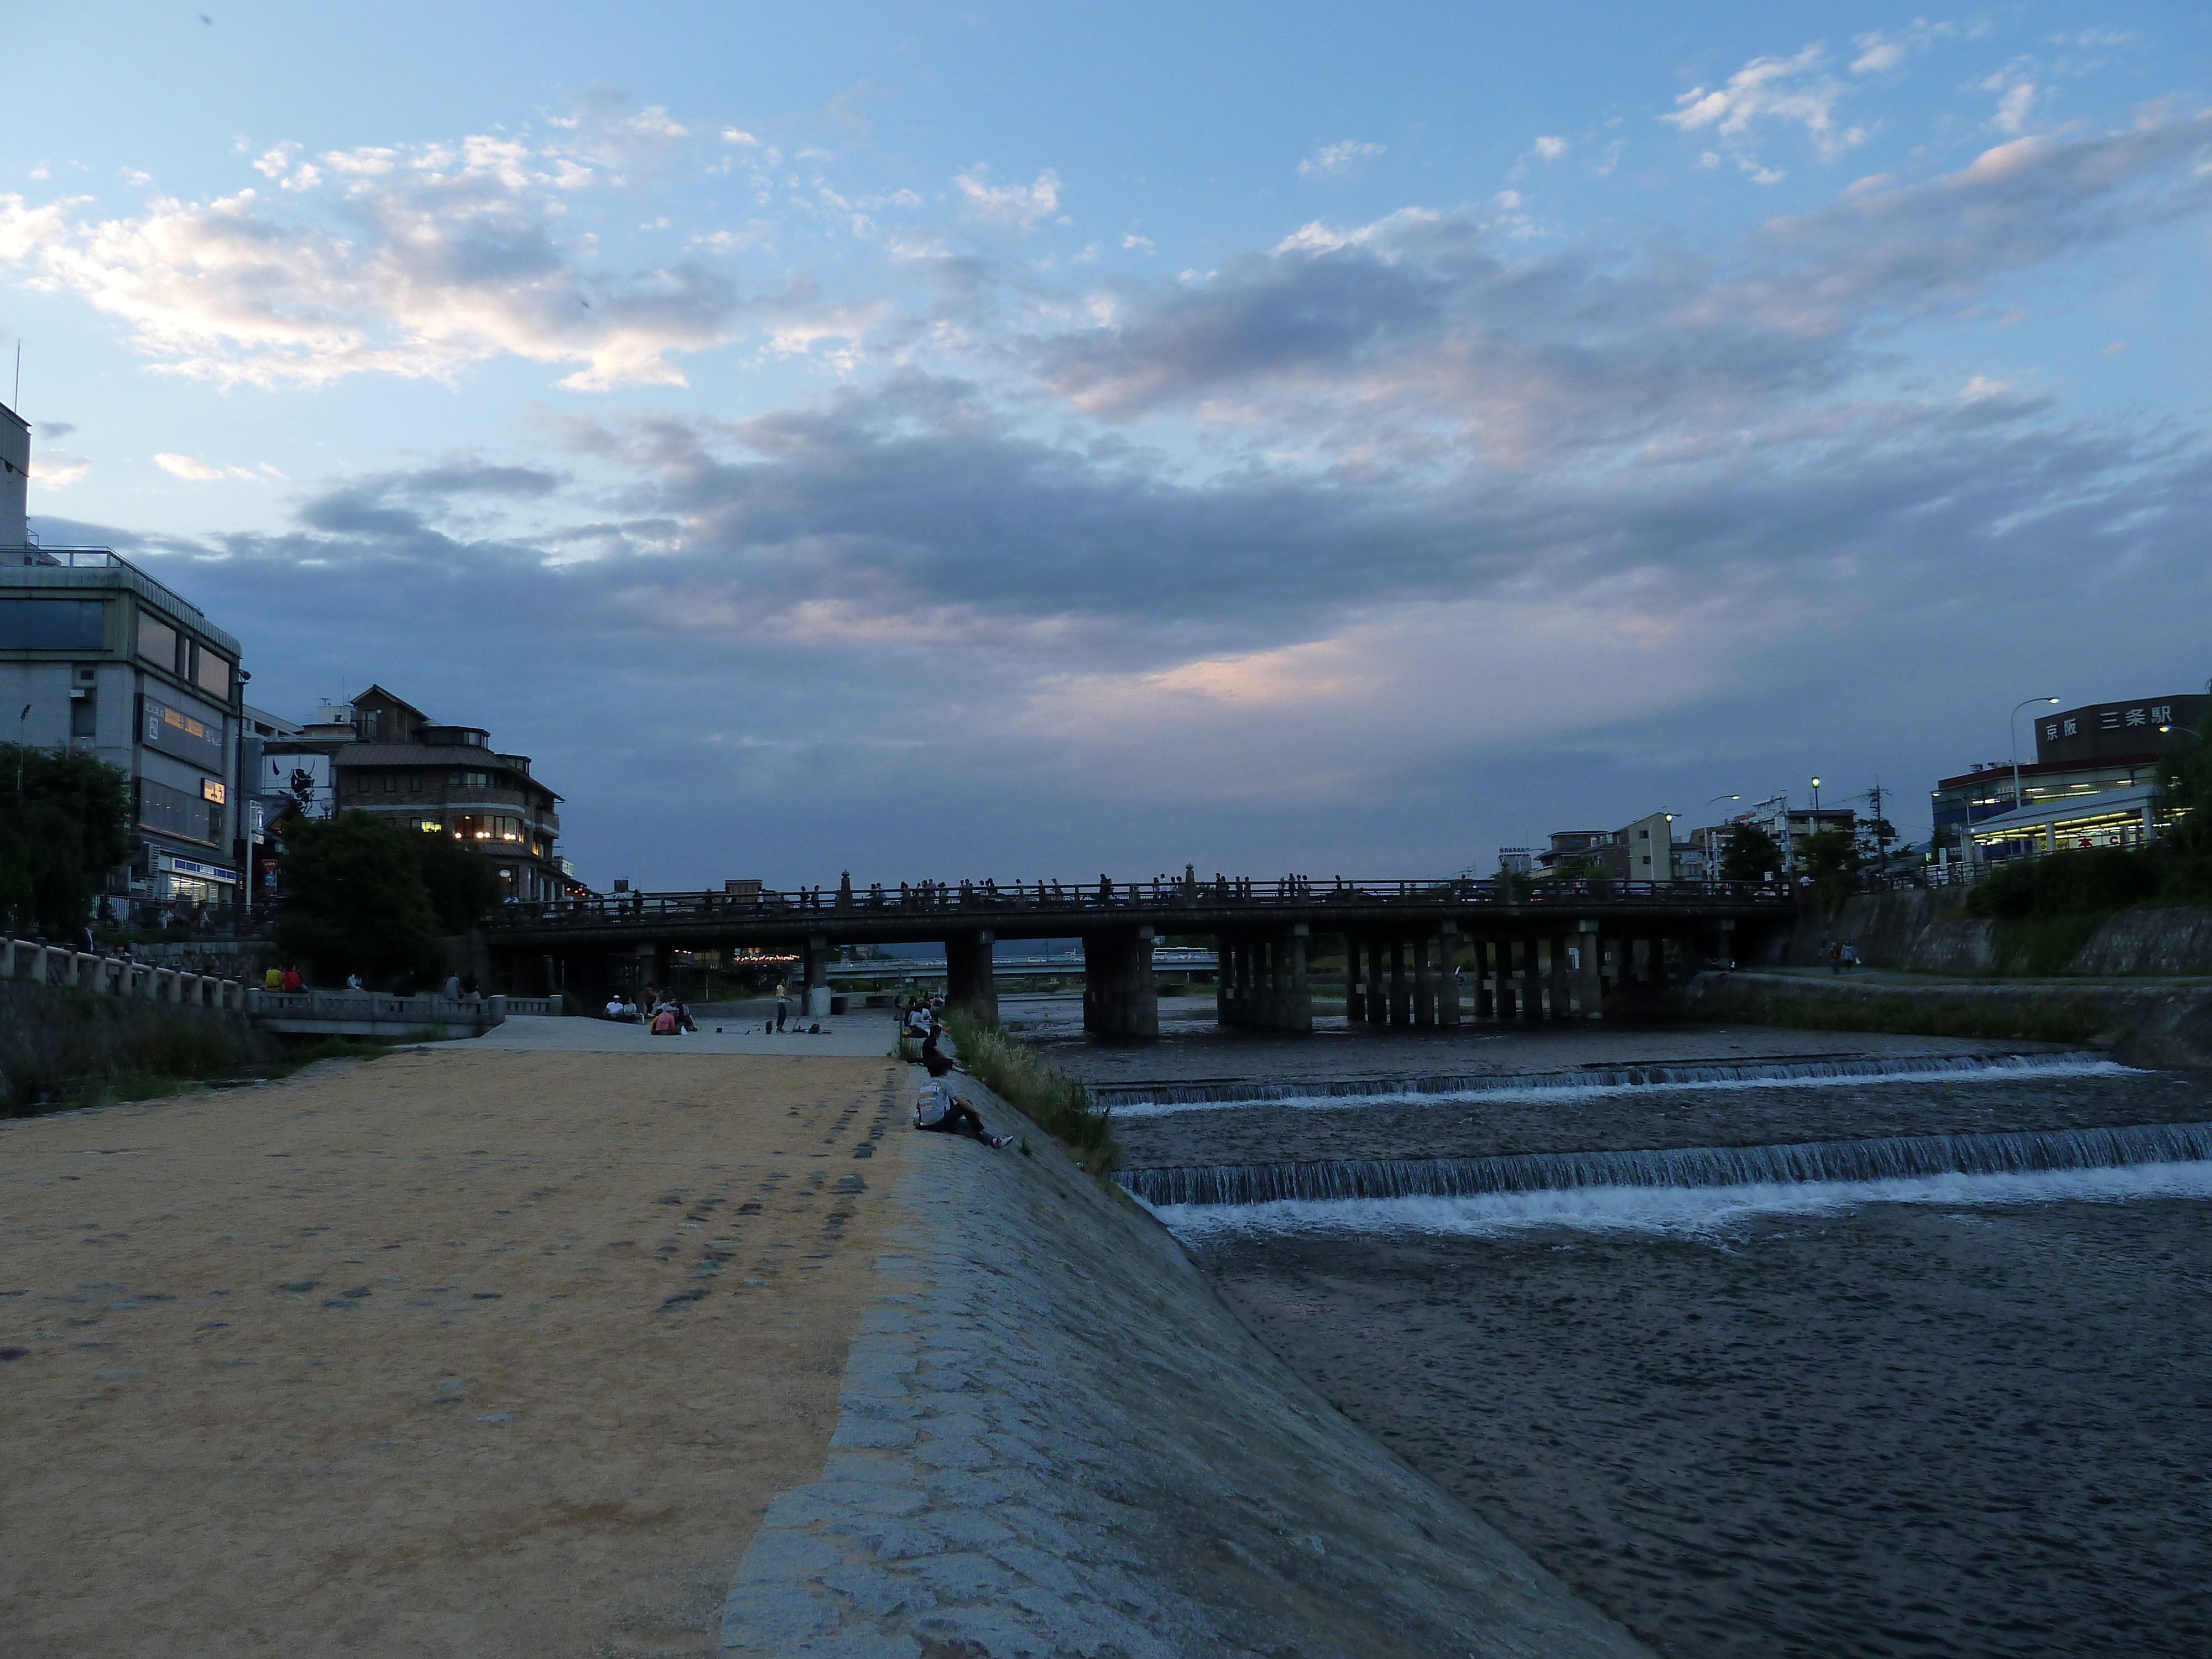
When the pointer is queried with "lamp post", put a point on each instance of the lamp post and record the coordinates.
(19, 719)
(1816, 804)
(2012, 731)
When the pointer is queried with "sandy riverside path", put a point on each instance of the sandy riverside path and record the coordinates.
(376, 1361)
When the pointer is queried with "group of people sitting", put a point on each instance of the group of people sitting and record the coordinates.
(936, 1107)
(662, 1013)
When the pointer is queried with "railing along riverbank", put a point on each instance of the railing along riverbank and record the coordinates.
(122, 976)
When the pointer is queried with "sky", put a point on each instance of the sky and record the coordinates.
(943, 442)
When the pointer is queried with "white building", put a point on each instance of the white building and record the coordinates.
(97, 657)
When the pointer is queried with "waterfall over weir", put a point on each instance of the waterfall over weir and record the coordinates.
(1151, 1100)
(1901, 1156)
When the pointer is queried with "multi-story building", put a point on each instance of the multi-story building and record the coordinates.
(381, 754)
(97, 657)
(2093, 782)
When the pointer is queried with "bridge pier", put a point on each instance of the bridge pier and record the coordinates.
(1447, 993)
(1121, 998)
(814, 962)
(968, 981)
(1588, 966)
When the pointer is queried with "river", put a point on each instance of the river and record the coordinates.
(1765, 1358)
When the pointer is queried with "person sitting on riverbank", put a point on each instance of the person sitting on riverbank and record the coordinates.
(934, 1057)
(614, 1005)
(663, 1022)
(938, 1108)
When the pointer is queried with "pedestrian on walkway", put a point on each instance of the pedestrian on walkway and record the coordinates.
(782, 1003)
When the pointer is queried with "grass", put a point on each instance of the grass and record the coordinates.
(1915, 1016)
(1055, 1101)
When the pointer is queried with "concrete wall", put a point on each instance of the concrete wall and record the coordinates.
(1912, 930)
(2142, 1026)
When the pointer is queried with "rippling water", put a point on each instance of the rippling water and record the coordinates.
(1951, 1414)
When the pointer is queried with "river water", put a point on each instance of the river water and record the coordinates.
(1942, 1386)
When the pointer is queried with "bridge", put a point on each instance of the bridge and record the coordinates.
(1416, 953)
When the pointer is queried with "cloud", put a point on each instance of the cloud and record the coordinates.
(1879, 53)
(1771, 91)
(192, 472)
(1550, 149)
(1334, 161)
(2016, 89)
(448, 255)
(55, 429)
(1020, 206)
(58, 469)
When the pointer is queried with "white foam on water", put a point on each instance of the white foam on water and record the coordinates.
(1695, 1212)
(2025, 1068)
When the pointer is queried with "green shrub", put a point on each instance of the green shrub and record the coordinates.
(2092, 882)
(1055, 1101)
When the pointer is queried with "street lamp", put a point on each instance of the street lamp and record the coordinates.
(2012, 731)
(1816, 803)
(19, 719)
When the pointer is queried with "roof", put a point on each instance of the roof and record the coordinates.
(2047, 769)
(2106, 803)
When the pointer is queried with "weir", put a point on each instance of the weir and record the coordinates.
(1889, 1158)
(1131, 1098)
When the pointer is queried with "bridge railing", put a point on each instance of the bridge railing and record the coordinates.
(980, 900)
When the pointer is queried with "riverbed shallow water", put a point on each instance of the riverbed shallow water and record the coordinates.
(1963, 1415)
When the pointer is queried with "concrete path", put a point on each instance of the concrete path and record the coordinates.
(871, 1035)
(1052, 1440)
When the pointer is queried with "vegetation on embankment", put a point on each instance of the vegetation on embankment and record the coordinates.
(1055, 1101)
(1908, 1012)
(64, 1049)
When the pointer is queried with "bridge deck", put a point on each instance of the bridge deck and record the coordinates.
(1049, 911)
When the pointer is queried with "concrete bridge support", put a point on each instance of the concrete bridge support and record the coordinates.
(1447, 1004)
(1264, 984)
(969, 983)
(1121, 998)
(1587, 963)
(814, 960)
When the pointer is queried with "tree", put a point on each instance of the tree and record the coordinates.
(354, 901)
(1751, 854)
(64, 822)
(1828, 856)
(463, 890)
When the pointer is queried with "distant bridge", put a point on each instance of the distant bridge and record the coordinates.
(1527, 950)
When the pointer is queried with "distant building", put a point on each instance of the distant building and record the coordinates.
(1517, 860)
(101, 659)
(1646, 850)
(382, 755)
(2093, 782)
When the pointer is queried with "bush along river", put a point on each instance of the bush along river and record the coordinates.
(1847, 1357)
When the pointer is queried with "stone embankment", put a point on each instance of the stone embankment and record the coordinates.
(1054, 1440)
(2156, 1026)
(1914, 929)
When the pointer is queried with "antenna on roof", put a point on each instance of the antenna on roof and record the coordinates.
(17, 405)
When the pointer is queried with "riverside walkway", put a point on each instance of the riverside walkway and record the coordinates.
(1413, 949)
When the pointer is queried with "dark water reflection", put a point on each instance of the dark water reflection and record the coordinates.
(1901, 1430)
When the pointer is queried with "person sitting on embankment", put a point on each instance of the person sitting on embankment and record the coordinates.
(938, 1108)
(940, 1064)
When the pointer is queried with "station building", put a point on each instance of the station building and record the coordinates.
(2093, 782)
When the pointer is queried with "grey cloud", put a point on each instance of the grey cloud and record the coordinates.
(55, 429)
(1427, 326)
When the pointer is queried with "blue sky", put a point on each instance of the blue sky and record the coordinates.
(1030, 441)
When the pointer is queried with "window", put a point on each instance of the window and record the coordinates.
(211, 674)
(390, 784)
(414, 783)
(53, 625)
(173, 812)
(157, 642)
